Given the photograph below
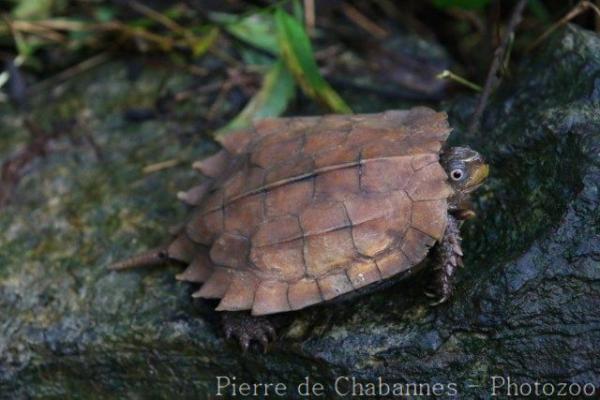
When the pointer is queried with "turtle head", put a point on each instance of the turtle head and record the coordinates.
(466, 171)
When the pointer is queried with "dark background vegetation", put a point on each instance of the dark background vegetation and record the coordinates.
(244, 50)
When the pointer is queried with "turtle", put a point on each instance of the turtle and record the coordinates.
(299, 211)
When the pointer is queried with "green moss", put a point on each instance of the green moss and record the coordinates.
(526, 303)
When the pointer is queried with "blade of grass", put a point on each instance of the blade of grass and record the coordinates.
(296, 51)
(447, 74)
(201, 44)
(257, 30)
(271, 100)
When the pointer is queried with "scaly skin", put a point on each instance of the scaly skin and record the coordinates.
(448, 256)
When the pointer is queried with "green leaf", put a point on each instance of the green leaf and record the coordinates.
(104, 13)
(464, 4)
(26, 47)
(270, 101)
(297, 10)
(33, 9)
(296, 52)
(257, 29)
(202, 43)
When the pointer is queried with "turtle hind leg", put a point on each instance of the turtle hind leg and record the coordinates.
(448, 257)
(247, 329)
(149, 258)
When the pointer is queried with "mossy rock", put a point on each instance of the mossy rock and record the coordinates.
(527, 305)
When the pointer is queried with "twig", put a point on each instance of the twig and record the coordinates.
(575, 11)
(158, 17)
(492, 78)
(309, 16)
(165, 21)
(38, 29)
(365, 23)
(76, 69)
(152, 168)
(50, 29)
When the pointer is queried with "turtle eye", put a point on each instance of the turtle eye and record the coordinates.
(457, 174)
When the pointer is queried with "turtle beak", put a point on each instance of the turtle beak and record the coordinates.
(479, 174)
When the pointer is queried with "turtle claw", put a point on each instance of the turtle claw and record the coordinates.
(244, 342)
(264, 341)
(439, 302)
(228, 333)
(438, 297)
(247, 330)
(272, 334)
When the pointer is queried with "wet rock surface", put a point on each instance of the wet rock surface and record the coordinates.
(527, 305)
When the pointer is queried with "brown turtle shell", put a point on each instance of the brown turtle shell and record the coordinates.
(298, 211)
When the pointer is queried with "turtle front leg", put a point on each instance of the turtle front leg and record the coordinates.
(448, 257)
(246, 328)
